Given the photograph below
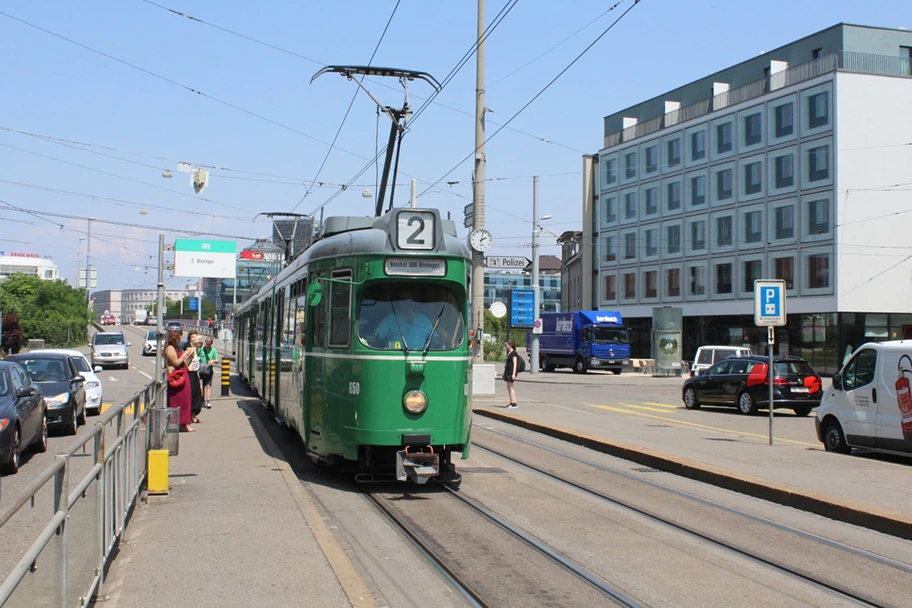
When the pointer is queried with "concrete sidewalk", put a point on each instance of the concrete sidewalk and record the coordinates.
(870, 491)
(237, 529)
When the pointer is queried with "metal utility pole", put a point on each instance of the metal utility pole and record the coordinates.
(536, 291)
(413, 200)
(89, 262)
(478, 182)
(159, 316)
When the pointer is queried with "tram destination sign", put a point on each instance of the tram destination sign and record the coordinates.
(205, 258)
(424, 267)
(504, 262)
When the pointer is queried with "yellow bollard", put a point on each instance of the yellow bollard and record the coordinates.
(158, 472)
(226, 376)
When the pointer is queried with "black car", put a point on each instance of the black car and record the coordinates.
(62, 385)
(743, 382)
(23, 424)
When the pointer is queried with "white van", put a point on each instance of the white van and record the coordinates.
(709, 355)
(869, 404)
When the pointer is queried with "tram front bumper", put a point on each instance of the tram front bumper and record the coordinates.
(417, 466)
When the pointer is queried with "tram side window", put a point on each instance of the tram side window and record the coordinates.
(340, 309)
(317, 321)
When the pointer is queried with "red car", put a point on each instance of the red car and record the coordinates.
(108, 320)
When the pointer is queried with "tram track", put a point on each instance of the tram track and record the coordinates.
(450, 563)
(815, 579)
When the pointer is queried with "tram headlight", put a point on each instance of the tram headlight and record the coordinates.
(414, 402)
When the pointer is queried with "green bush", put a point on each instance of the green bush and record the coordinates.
(52, 311)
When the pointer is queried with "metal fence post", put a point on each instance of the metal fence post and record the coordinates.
(62, 503)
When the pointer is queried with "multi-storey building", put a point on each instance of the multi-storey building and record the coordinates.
(123, 303)
(784, 166)
(30, 264)
(498, 283)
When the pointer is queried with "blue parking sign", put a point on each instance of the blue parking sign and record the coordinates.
(769, 303)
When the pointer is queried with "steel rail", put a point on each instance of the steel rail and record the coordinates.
(597, 582)
(711, 503)
(830, 587)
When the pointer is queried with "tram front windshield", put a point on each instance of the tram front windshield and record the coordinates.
(410, 317)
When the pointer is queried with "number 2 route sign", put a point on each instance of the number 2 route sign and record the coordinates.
(769, 303)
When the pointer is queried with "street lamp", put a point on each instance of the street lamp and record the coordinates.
(536, 290)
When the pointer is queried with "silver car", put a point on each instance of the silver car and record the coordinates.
(109, 348)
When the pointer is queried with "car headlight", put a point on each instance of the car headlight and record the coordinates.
(57, 399)
(92, 384)
(414, 402)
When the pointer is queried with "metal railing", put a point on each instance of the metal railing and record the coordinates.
(845, 61)
(64, 566)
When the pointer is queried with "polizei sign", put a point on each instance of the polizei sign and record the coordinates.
(500, 262)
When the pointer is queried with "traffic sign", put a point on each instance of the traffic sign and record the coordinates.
(504, 262)
(769, 303)
(193, 303)
(522, 308)
(537, 326)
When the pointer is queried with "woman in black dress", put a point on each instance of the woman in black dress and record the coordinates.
(511, 367)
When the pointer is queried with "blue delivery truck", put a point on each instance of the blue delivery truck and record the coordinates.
(583, 340)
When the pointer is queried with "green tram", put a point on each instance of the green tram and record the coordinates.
(360, 345)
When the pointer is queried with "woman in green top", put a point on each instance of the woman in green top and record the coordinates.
(207, 356)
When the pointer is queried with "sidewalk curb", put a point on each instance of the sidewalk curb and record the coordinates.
(876, 518)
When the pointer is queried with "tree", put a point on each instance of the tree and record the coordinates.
(52, 311)
(12, 339)
(173, 309)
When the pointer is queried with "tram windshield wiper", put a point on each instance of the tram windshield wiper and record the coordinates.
(405, 347)
(427, 344)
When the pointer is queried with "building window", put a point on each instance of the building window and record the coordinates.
(630, 169)
(698, 191)
(784, 222)
(753, 226)
(698, 235)
(818, 163)
(753, 178)
(818, 110)
(673, 196)
(724, 185)
(785, 171)
(673, 152)
(724, 278)
(630, 246)
(818, 215)
(906, 53)
(697, 281)
(785, 271)
(630, 206)
(652, 159)
(818, 271)
(817, 53)
(751, 271)
(673, 282)
(752, 130)
(610, 167)
(610, 243)
(651, 284)
(652, 244)
(724, 229)
(610, 206)
(651, 204)
(698, 145)
(630, 281)
(785, 120)
(611, 287)
(723, 138)
(673, 239)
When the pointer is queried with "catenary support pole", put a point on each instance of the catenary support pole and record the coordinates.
(536, 291)
(159, 308)
(478, 183)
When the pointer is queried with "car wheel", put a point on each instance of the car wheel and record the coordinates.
(544, 365)
(690, 399)
(73, 426)
(12, 467)
(833, 438)
(746, 404)
(579, 366)
(40, 445)
(617, 372)
(81, 419)
(802, 411)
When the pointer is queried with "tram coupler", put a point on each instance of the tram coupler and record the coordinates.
(417, 466)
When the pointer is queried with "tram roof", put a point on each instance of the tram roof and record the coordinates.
(359, 235)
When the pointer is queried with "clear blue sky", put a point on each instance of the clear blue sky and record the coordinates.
(54, 88)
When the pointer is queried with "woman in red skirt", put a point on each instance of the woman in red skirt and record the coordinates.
(179, 397)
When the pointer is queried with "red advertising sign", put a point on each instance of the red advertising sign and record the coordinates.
(247, 254)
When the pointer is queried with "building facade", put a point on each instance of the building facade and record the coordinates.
(123, 303)
(571, 270)
(498, 283)
(30, 264)
(781, 167)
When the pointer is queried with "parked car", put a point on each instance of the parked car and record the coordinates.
(869, 404)
(710, 355)
(110, 348)
(93, 386)
(743, 382)
(23, 423)
(150, 344)
(108, 320)
(61, 385)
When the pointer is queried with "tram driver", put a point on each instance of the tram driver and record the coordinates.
(404, 324)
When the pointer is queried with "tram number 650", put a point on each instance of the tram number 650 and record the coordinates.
(354, 388)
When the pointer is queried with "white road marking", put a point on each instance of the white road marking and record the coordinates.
(143, 373)
(112, 379)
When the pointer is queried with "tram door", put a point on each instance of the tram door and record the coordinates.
(275, 359)
(314, 375)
